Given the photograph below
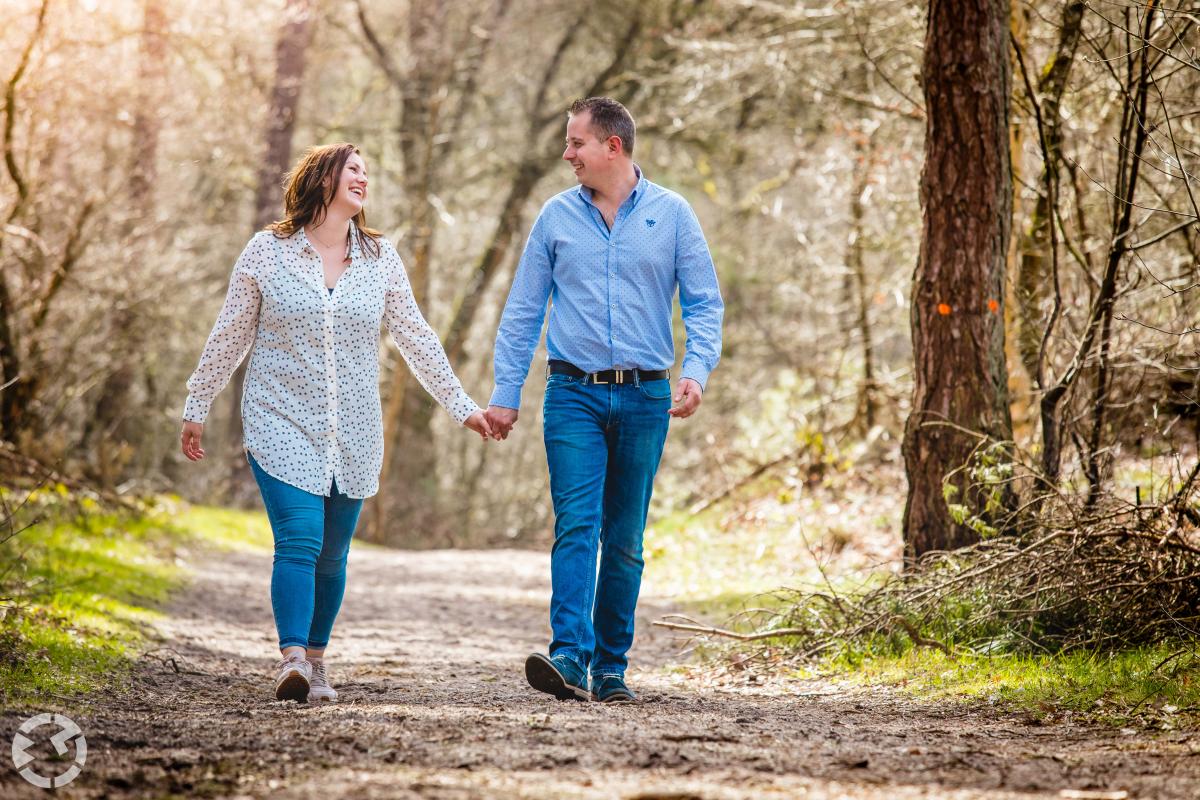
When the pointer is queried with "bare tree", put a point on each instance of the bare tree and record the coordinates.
(1136, 87)
(108, 430)
(436, 90)
(17, 387)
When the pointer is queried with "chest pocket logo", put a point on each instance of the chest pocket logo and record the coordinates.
(649, 223)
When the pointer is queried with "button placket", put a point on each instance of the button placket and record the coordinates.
(611, 259)
(330, 395)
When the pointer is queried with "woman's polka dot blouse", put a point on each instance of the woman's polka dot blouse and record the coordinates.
(310, 408)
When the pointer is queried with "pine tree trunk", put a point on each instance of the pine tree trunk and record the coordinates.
(960, 374)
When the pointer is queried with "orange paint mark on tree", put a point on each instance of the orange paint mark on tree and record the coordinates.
(993, 306)
(943, 309)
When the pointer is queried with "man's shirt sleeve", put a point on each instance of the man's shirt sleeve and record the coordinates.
(699, 298)
(521, 322)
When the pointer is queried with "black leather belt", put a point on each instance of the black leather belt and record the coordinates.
(617, 376)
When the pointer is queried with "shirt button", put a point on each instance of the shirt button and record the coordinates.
(614, 305)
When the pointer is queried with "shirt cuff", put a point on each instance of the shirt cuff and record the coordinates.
(506, 397)
(696, 372)
(462, 407)
(196, 410)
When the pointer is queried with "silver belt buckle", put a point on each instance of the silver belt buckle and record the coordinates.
(596, 381)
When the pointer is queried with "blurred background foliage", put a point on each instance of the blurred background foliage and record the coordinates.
(144, 141)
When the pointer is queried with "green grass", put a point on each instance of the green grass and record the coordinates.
(1159, 684)
(82, 584)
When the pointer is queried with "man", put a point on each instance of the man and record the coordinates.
(610, 253)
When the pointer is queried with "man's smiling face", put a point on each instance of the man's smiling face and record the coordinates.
(586, 154)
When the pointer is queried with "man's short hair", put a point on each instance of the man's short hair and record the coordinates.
(609, 118)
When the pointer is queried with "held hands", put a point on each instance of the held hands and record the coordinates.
(687, 399)
(502, 421)
(189, 440)
(478, 422)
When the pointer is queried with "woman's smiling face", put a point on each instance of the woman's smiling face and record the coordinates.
(352, 185)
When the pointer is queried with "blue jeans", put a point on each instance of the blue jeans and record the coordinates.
(312, 539)
(603, 445)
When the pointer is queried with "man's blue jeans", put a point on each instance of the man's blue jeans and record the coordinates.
(603, 445)
(312, 540)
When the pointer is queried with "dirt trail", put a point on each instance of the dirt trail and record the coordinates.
(429, 654)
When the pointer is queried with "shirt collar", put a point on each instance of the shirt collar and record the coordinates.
(638, 188)
(300, 241)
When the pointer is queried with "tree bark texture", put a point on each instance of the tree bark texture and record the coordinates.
(960, 373)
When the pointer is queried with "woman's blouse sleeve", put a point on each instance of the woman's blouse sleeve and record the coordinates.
(231, 337)
(420, 346)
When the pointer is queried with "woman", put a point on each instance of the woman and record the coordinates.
(306, 300)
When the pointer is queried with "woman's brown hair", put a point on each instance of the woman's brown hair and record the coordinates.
(307, 194)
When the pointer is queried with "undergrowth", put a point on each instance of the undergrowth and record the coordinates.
(81, 579)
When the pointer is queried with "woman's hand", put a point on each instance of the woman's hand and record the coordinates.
(478, 423)
(190, 440)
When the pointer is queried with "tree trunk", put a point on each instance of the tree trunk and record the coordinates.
(960, 374)
(410, 465)
(291, 49)
(859, 297)
(13, 386)
(110, 430)
(1038, 248)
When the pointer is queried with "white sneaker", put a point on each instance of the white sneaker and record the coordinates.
(292, 679)
(319, 690)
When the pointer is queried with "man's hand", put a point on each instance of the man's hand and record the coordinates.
(478, 422)
(189, 440)
(687, 399)
(502, 420)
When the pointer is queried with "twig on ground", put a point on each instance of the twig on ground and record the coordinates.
(743, 637)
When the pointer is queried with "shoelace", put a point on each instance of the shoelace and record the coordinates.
(318, 674)
(286, 662)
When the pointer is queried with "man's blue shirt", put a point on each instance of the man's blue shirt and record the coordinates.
(611, 291)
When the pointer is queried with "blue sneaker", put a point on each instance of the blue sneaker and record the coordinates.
(559, 676)
(611, 688)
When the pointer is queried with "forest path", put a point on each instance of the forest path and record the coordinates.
(430, 647)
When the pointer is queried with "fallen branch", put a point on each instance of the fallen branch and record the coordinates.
(742, 637)
(918, 639)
